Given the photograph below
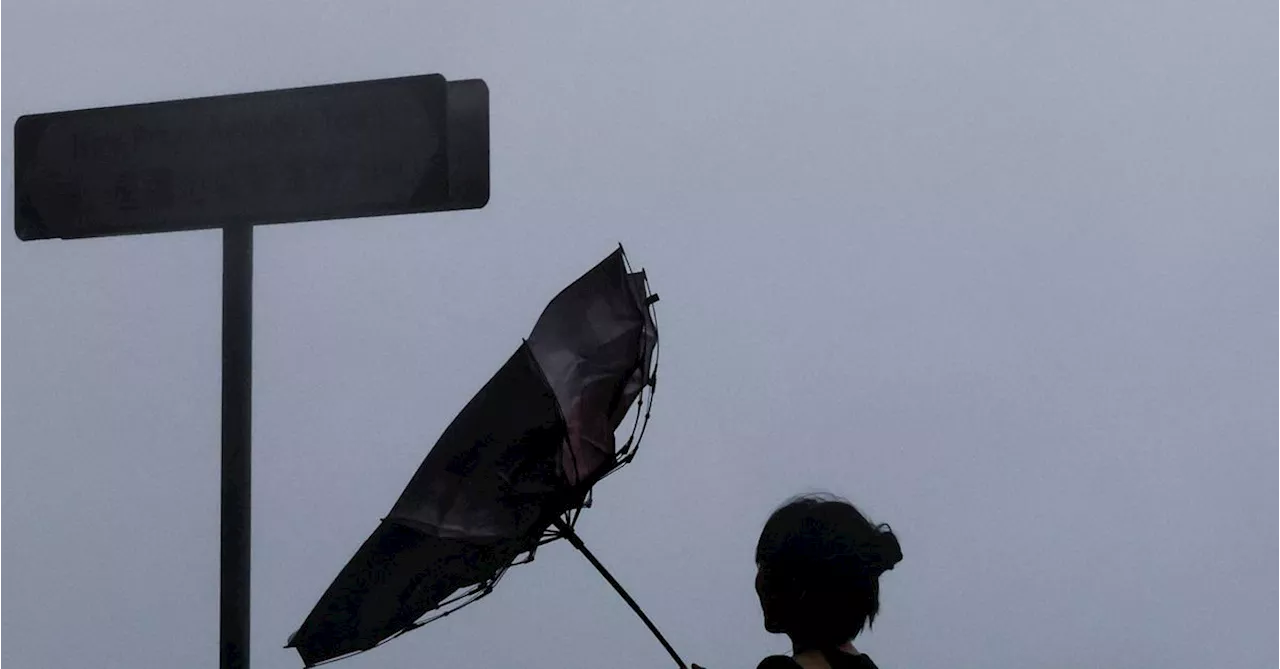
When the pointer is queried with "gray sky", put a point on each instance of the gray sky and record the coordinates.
(1002, 273)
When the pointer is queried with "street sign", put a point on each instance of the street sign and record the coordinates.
(369, 148)
(350, 150)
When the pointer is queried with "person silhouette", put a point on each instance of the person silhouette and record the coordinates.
(819, 562)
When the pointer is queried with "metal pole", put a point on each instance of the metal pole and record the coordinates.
(237, 386)
(568, 533)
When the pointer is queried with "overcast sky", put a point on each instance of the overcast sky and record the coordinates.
(1002, 273)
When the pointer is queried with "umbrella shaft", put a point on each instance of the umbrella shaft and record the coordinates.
(567, 532)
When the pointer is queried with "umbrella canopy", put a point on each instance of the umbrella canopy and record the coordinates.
(510, 473)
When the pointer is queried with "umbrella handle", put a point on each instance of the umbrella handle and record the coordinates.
(567, 532)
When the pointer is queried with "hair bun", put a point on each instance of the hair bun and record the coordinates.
(888, 552)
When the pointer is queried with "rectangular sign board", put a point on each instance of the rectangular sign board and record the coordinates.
(369, 148)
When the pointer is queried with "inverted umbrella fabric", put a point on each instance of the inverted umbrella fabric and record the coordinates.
(519, 458)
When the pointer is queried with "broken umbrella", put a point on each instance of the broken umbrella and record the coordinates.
(512, 471)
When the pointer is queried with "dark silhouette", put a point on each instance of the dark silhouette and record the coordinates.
(820, 562)
(512, 472)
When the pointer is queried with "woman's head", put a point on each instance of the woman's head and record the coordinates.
(819, 563)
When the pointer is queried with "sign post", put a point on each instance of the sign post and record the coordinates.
(352, 150)
(237, 431)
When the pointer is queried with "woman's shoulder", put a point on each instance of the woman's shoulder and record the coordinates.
(836, 661)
